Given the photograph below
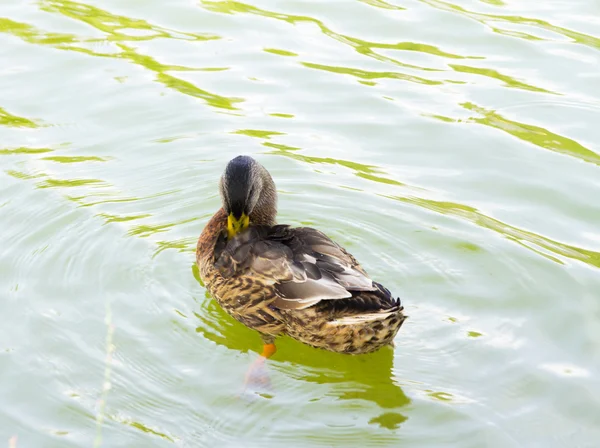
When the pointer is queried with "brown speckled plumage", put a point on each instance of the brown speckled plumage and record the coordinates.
(296, 281)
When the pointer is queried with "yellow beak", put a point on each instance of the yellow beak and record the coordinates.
(235, 226)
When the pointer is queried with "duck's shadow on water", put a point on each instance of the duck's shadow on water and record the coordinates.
(351, 377)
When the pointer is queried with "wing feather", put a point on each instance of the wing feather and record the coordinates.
(304, 264)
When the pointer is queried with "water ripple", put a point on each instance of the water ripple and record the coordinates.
(538, 136)
(374, 119)
(362, 47)
(112, 24)
(473, 215)
(116, 26)
(486, 19)
(8, 119)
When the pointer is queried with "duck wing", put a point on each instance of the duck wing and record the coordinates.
(303, 264)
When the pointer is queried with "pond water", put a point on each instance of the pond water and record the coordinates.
(452, 146)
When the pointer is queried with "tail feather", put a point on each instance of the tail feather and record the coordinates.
(362, 318)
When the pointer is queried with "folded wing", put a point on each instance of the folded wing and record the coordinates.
(303, 264)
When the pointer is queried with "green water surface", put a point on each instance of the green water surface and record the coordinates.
(452, 146)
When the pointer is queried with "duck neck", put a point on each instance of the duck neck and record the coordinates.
(206, 243)
(265, 211)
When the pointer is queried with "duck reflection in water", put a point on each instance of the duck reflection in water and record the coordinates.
(366, 377)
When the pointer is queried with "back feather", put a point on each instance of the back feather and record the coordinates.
(304, 264)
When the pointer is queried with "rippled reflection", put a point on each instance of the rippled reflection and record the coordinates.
(8, 119)
(368, 172)
(74, 159)
(24, 150)
(383, 5)
(105, 189)
(536, 135)
(114, 25)
(364, 74)
(368, 377)
(362, 47)
(513, 233)
(490, 73)
(489, 19)
(533, 134)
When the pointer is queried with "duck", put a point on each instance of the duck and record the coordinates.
(283, 280)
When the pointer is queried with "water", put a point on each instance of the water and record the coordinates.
(452, 147)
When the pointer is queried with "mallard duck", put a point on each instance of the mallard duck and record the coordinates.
(278, 279)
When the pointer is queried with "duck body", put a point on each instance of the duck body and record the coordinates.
(278, 279)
